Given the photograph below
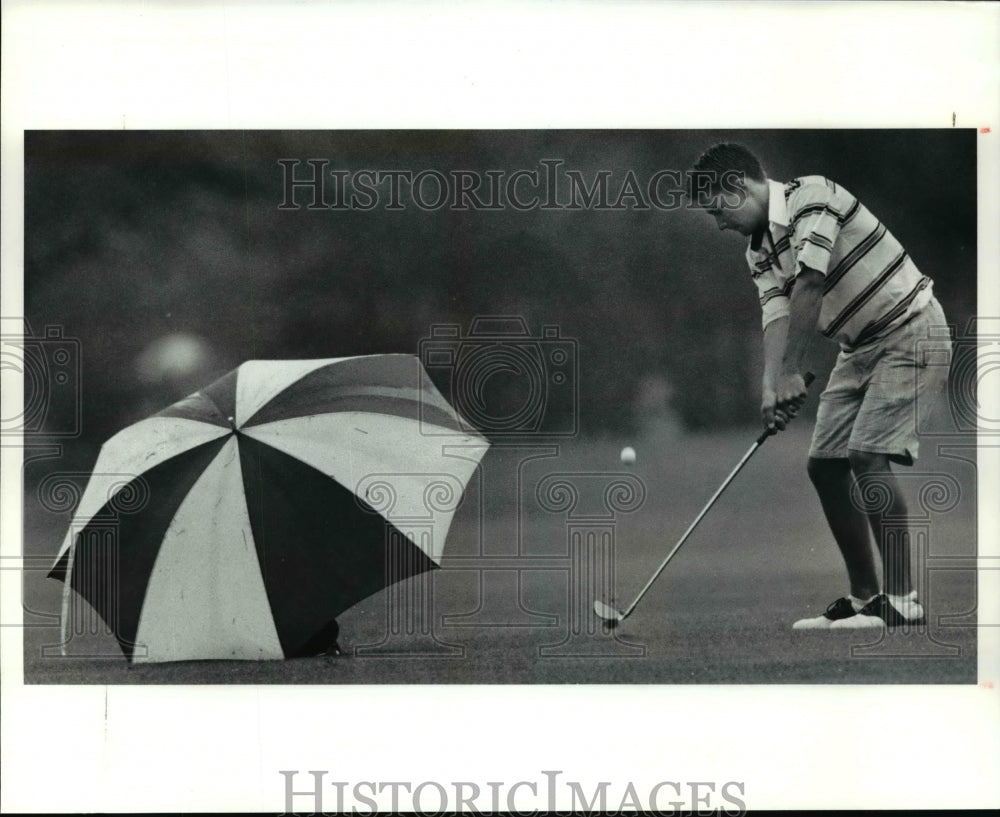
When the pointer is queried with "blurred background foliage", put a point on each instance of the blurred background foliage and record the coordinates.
(166, 254)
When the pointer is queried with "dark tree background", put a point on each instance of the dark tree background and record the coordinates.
(132, 238)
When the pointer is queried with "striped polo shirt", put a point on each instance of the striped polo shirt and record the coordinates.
(871, 286)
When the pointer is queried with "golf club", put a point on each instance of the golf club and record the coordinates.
(614, 616)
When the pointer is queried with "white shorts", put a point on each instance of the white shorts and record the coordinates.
(878, 395)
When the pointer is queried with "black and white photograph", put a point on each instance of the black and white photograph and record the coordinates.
(603, 425)
(436, 404)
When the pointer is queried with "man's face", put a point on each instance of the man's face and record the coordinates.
(745, 218)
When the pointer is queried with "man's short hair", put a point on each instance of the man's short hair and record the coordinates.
(729, 156)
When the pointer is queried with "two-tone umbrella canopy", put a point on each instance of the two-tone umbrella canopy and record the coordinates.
(269, 505)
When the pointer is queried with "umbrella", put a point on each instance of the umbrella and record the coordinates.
(263, 506)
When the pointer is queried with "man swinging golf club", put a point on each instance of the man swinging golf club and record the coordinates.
(821, 261)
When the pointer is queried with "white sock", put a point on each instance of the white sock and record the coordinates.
(907, 605)
(857, 603)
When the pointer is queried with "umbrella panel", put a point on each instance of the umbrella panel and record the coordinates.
(114, 583)
(393, 385)
(321, 548)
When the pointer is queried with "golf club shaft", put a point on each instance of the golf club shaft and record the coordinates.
(808, 378)
(693, 525)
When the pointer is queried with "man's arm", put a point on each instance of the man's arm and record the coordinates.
(806, 300)
(775, 340)
(787, 342)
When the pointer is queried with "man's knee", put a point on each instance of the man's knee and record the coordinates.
(868, 462)
(824, 471)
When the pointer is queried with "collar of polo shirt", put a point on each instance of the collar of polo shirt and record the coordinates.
(777, 212)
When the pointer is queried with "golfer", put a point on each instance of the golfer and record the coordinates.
(822, 262)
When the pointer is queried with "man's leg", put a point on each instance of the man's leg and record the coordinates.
(878, 494)
(830, 472)
(881, 497)
(834, 482)
(902, 386)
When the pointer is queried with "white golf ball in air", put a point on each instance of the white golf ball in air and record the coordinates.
(628, 455)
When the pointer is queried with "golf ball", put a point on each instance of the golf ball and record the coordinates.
(628, 455)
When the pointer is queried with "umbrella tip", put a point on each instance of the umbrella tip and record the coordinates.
(232, 423)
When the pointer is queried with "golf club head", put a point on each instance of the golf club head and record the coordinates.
(608, 613)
